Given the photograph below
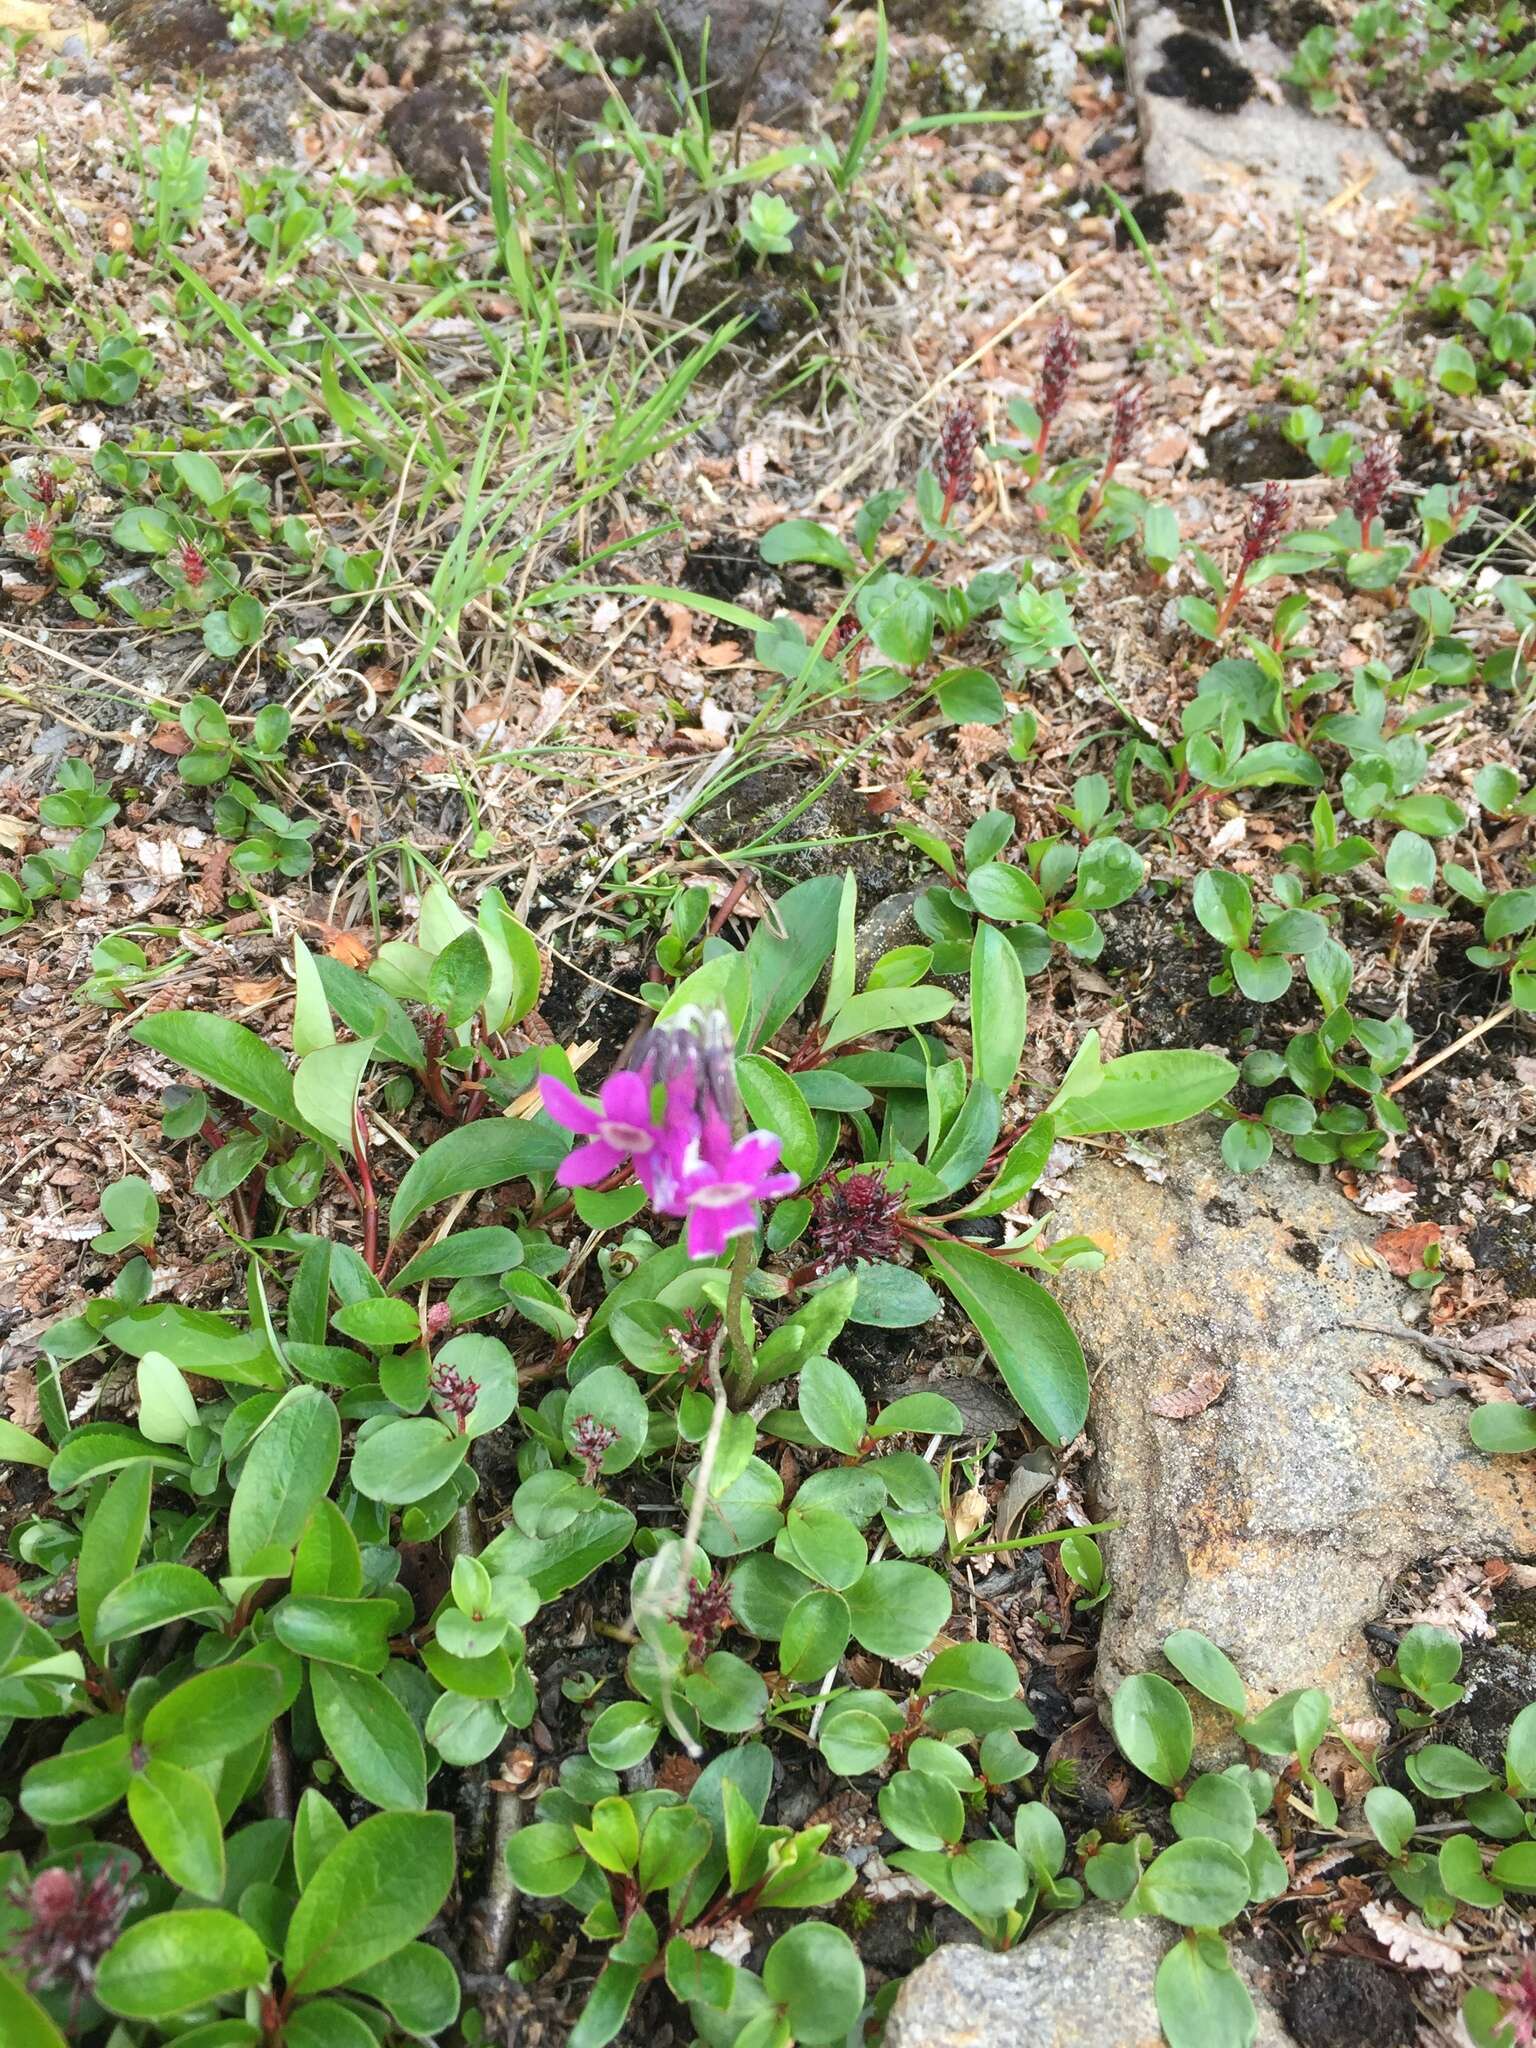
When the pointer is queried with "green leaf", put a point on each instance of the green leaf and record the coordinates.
(969, 696)
(417, 1984)
(813, 1974)
(215, 1712)
(1199, 1883)
(23, 2023)
(887, 1009)
(1215, 1808)
(979, 1668)
(545, 1859)
(1209, 1670)
(478, 1155)
(325, 1089)
(21, 1447)
(1516, 1867)
(892, 1298)
(178, 1822)
(773, 1101)
(922, 1810)
(372, 1738)
(1520, 1752)
(151, 1598)
(832, 1405)
(376, 1890)
(226, 1055)
(806, 540)
(197, 1340)
(607, 2008)
(327, 2023)
(815, 1635)
(999, 1009)
(171, 1962)
(405, 1461)
(1224, 905)
(1139, 1091)
(1442, 1771)
(624, 1734)
(353, 1633)
(288, 1469)
(783, 964)
(1029, 1339)
(1503, 1428)
(1201, 2000)
(77, 1784)
(1154, 1728)
(898, 1609)
(200, 474)
(1391, 1818)
(1006, 893)
(114, 1535)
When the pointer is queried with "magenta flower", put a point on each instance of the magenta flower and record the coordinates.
(721, 1194)
(674, 1114)
(618, 1128)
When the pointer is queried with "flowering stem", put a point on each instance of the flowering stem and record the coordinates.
(735, 1304)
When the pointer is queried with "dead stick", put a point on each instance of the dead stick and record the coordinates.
(1456, 1045)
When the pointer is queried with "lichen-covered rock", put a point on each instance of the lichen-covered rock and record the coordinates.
(1277, 1519)
(1010, 53)
(1082, 1981)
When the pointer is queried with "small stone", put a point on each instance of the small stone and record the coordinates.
(1277, 1521)
(1083, 1981)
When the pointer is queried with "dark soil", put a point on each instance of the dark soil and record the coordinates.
(1343, 2002)
(1202, 72)
(1253, 449)
(440, 135)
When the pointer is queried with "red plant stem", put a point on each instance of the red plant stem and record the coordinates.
(1097, 500)
(370, 1201)
(951, 492)
(1224, 616)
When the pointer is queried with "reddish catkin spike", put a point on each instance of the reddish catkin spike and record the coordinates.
(193, 565)
(709, 1611)
(1267, 517)
(1058, 365)
(455, 1393)
(854, 1218)
(73, 1921)
(1374, 476)
(1125, 424)
(592, 1440)
(957, 454)
(37, 539)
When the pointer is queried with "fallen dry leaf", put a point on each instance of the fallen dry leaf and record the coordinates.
(1193, 1398)
(254, 993)
(1404, 1249)
(350, 948)
(1407, 1940)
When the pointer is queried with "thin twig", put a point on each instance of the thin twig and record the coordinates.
(1449, 1051)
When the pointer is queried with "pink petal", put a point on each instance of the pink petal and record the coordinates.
(589, 1164)
(756, 1155)
(626, 1098)
(566, 1107)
